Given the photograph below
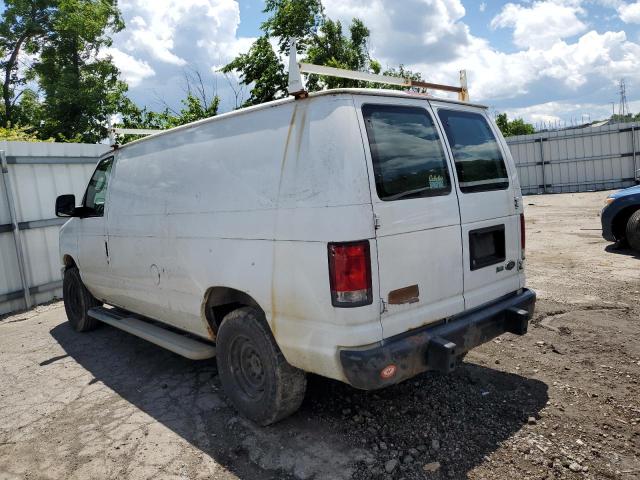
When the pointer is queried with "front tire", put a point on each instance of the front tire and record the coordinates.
(633, 231)
(254, 374)
(77, 302)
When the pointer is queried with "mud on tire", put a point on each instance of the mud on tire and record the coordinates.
(77, 302)
(254, 374)
(633, 231)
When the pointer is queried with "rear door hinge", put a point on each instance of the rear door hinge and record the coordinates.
(376, 221)
(383, 306)
(516, 202)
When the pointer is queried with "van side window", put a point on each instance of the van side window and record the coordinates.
(96, 193)
(407, 154)
(479, 162)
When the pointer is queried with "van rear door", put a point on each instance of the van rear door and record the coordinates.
(416, 211)
(489, 198)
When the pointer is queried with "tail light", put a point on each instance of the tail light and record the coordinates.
(350, 274)
(523, 236)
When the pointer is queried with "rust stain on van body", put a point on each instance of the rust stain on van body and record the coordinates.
(401, 296)
(292, 124)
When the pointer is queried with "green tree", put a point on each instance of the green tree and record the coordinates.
(20, 134)
(261, 69)
(513, 127)
(321, 38)
(292, 19)
(23, 27)
(80, 86)
(334, 49)
(28, 111)
(196, 106)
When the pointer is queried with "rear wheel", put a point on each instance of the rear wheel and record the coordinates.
(254, 373)
(633, 231)
(77, 302)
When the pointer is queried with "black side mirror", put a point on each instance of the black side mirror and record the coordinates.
(66, 206)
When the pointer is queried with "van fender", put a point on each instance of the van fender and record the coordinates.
(218, 301)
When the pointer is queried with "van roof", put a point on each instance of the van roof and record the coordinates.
(381, 92)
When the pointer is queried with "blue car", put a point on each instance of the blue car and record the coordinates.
(621, 217)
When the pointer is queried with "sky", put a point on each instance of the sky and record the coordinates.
(541, 60)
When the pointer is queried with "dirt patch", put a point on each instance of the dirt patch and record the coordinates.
(561, 402)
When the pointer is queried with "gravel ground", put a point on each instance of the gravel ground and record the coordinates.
(560, 402)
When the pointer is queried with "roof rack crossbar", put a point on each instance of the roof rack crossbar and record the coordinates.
(112, 131)
(297, 90)
(136, 131)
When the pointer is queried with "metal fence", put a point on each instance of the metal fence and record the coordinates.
(32, 176)
(578, 160)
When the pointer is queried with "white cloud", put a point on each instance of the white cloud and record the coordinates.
(133, 71)
(541, 24)
(170, 30)
(171, 37)
(482, 7)
(630, 13)
(493, 75)
(410, 30)
(548, 66)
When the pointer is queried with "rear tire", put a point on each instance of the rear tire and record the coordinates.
(633, 231)
(254, 374)
(77, 302)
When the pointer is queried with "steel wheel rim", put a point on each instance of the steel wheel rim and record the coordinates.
(247, 367)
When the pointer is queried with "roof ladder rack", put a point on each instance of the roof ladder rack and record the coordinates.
(112, 131)
(296, 87)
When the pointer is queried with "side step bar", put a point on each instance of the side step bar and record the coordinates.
(180, 344)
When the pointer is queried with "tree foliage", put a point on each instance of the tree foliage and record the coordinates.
(69, 87)
(20, 134)
(81, 87)
(23, 26)
(510, 128)
(331, 47)
(292, 19)
(197, 105)
(320, 38)
(260, 68)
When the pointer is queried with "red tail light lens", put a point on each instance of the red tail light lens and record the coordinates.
(523, 235)
(350, 274)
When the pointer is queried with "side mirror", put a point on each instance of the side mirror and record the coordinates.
(66, 206)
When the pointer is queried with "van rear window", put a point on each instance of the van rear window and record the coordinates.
(479, 162)
(408, 158)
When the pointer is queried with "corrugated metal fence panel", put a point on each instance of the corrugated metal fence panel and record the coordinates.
(38, 173)
(595, 158)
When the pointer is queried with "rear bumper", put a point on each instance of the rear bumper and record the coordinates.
(436, 347)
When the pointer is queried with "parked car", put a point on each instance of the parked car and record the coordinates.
(362, 235)
(621, 217)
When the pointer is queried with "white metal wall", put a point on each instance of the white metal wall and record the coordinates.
(577, 160)
(37, 174)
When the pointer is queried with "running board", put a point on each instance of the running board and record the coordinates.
(175, 342)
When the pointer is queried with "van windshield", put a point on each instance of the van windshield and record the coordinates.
(407, 154)
(479, 163)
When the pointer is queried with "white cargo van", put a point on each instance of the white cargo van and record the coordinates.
(363, 235)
